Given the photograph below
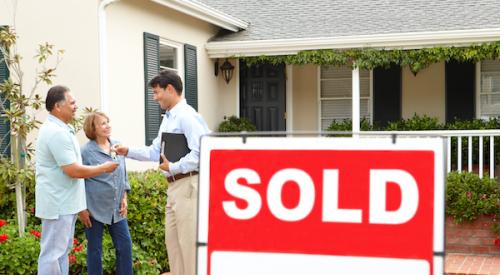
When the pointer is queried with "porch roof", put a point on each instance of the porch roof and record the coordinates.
(275, 25)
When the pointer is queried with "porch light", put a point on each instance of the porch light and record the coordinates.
(227, 70)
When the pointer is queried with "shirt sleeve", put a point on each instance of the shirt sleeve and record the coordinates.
(61, 146)
(194, 127)
(151, 152)
(127, 183)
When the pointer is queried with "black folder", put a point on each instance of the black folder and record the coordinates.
(174, 146)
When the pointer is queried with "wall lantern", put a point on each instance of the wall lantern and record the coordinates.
(227, 70)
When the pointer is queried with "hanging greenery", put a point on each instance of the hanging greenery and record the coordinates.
(369, 58)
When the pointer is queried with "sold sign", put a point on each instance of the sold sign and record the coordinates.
(321, 206)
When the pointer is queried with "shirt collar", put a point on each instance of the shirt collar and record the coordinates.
(96, 146)
(176, 109)
(61, 123)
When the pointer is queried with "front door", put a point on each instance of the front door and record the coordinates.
(262, 96)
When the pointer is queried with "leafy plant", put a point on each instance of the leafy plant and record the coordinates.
(146, 214)
(369, 58)
(415, 123)
(468, 196)
(18, 255)
(19, 104)
(235, 124)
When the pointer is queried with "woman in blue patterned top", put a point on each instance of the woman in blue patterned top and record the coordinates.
(106, 198)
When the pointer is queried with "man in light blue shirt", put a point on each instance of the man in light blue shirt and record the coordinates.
(60, 190)
(182, 175)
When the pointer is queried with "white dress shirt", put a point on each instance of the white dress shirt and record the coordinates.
(182, 118)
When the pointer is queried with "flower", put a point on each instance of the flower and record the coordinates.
(36, 233)
(78, 248)
(72, 259)
(497, 241)
(4, 238)
(75, 241)
(3, 222)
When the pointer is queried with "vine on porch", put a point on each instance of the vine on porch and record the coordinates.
(369, 58)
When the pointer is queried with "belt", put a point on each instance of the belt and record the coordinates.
(181, 176)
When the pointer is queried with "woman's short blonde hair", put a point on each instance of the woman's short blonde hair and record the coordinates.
(89, 124)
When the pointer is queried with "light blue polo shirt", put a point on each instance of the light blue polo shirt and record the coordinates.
(55, 192)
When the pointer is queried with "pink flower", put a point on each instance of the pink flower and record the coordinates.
(4, 238)
(3, 222)
(75, 241)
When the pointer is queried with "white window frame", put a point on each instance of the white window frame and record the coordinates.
(319, 98)
(180, 57)
(479, 80)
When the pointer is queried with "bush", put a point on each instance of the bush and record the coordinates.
(18, 255)
(235, 124)
(415, 123)
(468, 196)
(146, 214)
(146, 217)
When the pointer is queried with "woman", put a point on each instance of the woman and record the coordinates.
(106, 198)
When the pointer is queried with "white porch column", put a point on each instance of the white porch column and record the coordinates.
(355, 101)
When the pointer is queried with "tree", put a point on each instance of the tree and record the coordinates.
(19, 105)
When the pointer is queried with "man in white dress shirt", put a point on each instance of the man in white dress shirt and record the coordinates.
(182, 175)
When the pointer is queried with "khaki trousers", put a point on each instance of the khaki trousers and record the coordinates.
(180, 225)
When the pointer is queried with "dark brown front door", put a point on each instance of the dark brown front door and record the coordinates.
(262, 96)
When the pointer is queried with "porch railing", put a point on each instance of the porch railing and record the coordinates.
(455, 139)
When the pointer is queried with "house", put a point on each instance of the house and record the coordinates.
(113, 47)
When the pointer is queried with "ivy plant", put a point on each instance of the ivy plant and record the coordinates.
(369, 58)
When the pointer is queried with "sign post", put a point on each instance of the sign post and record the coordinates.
(321, 206)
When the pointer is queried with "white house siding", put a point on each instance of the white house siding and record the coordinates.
(305, 98)
(127, 21)
(424, 94)
(68, 24)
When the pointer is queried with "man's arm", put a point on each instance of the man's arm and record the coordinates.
(80, 171)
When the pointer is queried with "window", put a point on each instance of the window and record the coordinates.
(489, 94)
(162, 54)
(336, 94)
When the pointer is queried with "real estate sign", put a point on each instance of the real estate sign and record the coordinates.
(321, 206)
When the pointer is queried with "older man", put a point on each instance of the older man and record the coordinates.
(60, 190)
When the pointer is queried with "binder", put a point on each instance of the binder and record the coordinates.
(174, 146)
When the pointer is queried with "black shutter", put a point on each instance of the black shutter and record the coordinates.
(4, 123)
(386, 95)
(151, 69)
(460, 83)
(191, 76)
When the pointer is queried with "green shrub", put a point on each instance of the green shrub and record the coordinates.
(345, 125)
(468, 196)
(146, 217)
(146, 214)
(235, 124)
(415, 123)
(18, 255)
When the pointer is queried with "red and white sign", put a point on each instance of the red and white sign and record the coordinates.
(321, 206)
